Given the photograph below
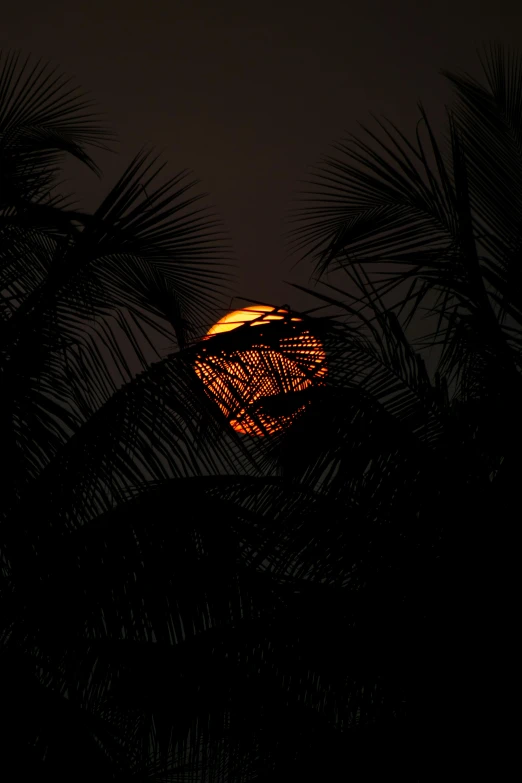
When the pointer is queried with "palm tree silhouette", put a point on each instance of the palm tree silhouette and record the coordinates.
(417, 246)
(181, 602)
(140, 639)
(86, 423)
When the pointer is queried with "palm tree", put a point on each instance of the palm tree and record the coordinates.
(145, 545)
(425, 366)
(181, 602)
(86, 422)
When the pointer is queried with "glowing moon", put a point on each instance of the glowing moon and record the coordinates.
(278, 358)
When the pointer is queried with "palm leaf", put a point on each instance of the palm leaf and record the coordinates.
(42, 118)
(419, 221)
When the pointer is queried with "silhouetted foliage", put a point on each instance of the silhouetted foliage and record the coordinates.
(180, 602)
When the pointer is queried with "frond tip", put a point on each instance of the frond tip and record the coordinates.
(42, 118)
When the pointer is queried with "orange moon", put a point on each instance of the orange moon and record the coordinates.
(280, 356)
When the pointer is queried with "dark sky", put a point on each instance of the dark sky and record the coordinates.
(249, 95)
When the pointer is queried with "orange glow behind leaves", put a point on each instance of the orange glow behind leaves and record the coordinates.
(239, 317)
(239, 380)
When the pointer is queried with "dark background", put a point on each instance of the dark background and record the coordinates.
(249, 95)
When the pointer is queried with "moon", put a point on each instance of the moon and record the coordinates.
(281, 356)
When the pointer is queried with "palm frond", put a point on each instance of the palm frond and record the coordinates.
(421, 222)
(208, 618)
(42, 118)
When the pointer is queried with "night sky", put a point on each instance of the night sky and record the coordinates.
(249, 95)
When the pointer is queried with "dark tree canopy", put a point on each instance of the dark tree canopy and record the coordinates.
(183, 602)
